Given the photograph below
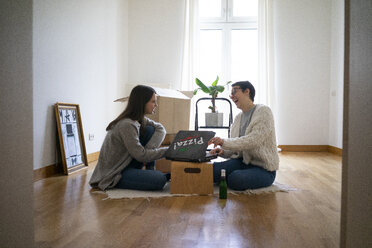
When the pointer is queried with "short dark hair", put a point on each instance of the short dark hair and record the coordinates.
(246, 85)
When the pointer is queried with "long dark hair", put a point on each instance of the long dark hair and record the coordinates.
(135, 109)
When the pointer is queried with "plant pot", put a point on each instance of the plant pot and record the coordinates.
(214, 119)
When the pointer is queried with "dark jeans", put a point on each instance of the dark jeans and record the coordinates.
(240, 176)
(133, 177)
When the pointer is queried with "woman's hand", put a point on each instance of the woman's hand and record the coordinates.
(217, 141)
(218, 151)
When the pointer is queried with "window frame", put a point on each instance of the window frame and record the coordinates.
(227, 15)
(227, 23)
(222, 18)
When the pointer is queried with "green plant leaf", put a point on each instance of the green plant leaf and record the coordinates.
(215, 81)
(214, 91)
(202, 86)
(220, 88)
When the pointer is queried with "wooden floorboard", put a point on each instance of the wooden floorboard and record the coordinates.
(69, 214)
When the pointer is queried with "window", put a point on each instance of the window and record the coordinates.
(227, 41)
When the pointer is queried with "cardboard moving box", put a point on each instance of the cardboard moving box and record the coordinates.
(191, 178)
(173, 111)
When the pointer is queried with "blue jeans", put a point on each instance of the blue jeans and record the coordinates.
(133, 177)
(240, 176)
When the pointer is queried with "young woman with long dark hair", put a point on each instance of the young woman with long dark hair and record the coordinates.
(132, 142)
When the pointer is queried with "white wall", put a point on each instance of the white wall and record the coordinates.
(309, 50)
(16, 146)
(80, 56)
(89, 52)
(302, 46)
(337, 74)
(156, 41)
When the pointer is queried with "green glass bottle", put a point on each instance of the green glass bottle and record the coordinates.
(223, 185)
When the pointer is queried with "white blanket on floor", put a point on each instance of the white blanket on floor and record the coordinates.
(126, 193)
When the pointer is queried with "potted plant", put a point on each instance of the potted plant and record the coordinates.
(214, 118)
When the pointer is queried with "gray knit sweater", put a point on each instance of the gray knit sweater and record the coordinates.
(120, 146)
(258, 145)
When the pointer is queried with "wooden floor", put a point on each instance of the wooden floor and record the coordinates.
(68, 214)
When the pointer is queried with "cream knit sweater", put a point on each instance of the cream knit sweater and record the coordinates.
(258, 145)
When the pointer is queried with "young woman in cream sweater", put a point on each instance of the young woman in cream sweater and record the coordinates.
(251, 149)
